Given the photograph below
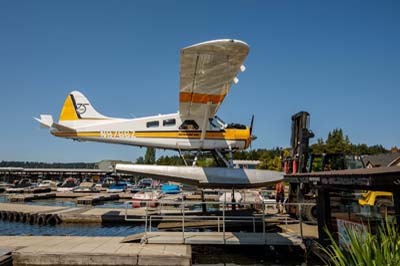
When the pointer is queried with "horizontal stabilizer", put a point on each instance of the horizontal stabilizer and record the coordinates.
(45, 121)
(205, 176)
(62, 128)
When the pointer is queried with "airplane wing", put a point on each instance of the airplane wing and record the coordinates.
(206, 74)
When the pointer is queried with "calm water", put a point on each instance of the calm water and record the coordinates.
(15, 228)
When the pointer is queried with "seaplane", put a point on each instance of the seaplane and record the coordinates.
(207, 72)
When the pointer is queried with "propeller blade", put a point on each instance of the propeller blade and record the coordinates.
(251, 124)
(252, 137)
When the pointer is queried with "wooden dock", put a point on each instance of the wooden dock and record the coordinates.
(310, 231)
(53, 215)
(217, 238)
(30, 197)
(91, 251)
(96, 199)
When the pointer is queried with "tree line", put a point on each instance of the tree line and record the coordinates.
(335, 143)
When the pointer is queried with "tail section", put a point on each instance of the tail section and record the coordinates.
(76, 107)
(46, 121)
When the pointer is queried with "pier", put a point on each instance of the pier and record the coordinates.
(30, 197)
(96, 199)
(93, 251)
(217, 238)
(43, 215)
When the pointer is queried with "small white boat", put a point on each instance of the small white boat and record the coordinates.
(86, 187)
(145, 198)
(227, 197)
(69, 185)
(19, 186)
(48, 184)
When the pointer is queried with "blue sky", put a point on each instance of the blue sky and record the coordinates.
(338, 60)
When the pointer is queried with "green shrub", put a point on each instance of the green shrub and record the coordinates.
(365, 249)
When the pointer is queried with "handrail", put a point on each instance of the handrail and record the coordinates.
(149, 218)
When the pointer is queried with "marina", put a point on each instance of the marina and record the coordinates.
(180, 133)
(109, 223)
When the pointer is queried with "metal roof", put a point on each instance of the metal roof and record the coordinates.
(387, 178)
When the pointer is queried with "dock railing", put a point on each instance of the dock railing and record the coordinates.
(153, 214)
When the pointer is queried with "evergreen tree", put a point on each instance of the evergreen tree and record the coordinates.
(150, 156)
(140, 160)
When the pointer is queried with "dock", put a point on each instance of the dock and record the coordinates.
(96, 199)
(309, 231)
(93, 251)
(43, 215)
(30, 197)
(216, 238)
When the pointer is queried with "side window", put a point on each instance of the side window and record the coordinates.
(152, 124)
(189, 125)
(169, 122)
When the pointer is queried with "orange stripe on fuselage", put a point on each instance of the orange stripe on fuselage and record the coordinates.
(200, 98)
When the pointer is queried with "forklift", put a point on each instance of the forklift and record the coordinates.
(302, 160)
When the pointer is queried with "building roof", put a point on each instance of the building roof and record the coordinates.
(385, 178)
(381, 160)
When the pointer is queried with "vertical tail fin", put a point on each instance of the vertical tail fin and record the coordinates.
(77, 106)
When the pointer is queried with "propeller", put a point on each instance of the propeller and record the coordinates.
(252, 137)
(251, 124)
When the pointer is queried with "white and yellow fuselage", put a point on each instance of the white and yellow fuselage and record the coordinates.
(80, 121)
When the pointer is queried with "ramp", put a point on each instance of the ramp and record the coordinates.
(216, 238)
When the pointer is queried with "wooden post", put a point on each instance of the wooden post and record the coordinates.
(203, 204)
(396, 199)
(323, 209)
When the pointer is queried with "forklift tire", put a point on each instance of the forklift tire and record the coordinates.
(383, 204)
(309, 212)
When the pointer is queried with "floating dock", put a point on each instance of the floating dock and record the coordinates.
(91, 251)
(30, 197)
(28, 190)
(43, 215)
(96, 199)
(217, 238)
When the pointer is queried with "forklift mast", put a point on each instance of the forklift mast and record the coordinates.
(299, 142)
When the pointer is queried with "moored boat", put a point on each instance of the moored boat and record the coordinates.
(69, 185)
(145, 198)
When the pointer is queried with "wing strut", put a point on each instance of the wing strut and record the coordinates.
(205, 121)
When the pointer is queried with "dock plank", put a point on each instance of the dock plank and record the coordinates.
(29, 208)
(218, 238)
(91, 251)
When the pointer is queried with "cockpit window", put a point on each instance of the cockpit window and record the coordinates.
(216, 122)
(152, 124)
(213, 123)
(189, 125)
(169, 122)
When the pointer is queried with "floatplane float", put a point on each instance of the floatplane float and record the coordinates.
(207, 71)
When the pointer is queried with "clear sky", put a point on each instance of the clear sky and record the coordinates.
(338, 60)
